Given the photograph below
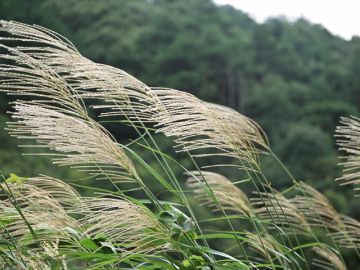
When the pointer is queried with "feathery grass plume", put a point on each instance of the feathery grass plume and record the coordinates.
(128, 227)
(252, 129)
(35, 34)
(198, 126)
(40, 213)
(278, 211)
(125, 94)
(316, 208)
(25, 76)
(227, 194)
(79, 143)
(266, 246)
(48, 68)
(348, 234)
(348, 134)
(59, 190)
(319, 212)
(329, 259)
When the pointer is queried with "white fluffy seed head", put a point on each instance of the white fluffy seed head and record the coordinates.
(82, 144)
(348, 140)
(327, 258)
(229, 196)
(264, 245)
(205, 129)
(347, 234)
(42, 210)
(316, 208)
(278, 211)
(53, 66)
(130, 227)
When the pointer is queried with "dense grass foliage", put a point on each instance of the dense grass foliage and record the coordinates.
(130, 207)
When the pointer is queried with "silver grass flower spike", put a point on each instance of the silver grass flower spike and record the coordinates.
(348, 140)
(319, 212)
(197, 126)
(40, 210)
(228, 195)
(228, 133)
(124, 94)
(22, 75)
(131, 228)
(78, 143)
(316, 208)
(41, 69)
(266, 246)
(279, 212)
(348, 234)
(252, 129)
(62, 192)
(328, 259)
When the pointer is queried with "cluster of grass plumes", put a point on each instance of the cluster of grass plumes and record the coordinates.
(348, 134)
(47, 224)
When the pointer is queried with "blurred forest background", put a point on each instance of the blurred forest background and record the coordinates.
(294, 78)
